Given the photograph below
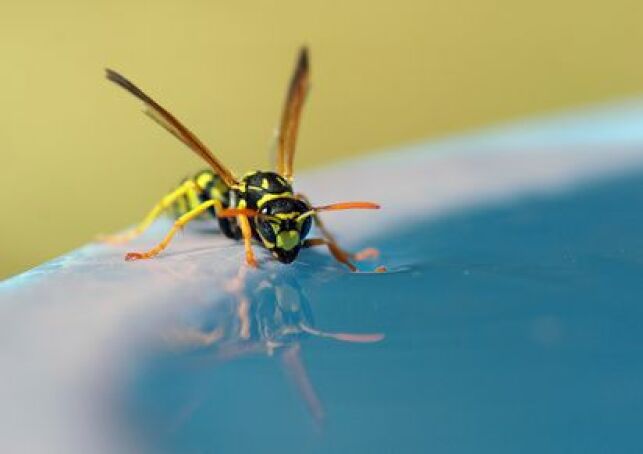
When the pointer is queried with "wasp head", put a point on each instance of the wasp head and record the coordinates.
(283, 224)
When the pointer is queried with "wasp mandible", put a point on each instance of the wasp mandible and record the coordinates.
(261, 205)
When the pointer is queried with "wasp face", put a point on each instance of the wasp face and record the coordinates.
(281, 229)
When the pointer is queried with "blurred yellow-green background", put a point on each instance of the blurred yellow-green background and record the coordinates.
(78, 158)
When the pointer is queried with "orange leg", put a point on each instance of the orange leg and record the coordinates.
(159, 208)
(365, 254)
(339, 254)
(178, 224)
(186, 218)
(246, 231)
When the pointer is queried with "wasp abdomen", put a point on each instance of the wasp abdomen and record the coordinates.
(209, 186)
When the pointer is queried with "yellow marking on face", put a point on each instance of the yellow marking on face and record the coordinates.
(303, 216)
(269, 197)
(285, 216)
(265, 184)
(288, 240)
(269, 218)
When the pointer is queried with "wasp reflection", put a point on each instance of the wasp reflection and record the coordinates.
(270, 315)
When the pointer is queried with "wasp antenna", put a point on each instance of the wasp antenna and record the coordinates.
(305, 215)
(340, 206)
(348, 206)
(233, 212)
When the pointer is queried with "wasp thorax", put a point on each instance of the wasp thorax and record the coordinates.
(260, 186)
(268, 181)
(282, 228)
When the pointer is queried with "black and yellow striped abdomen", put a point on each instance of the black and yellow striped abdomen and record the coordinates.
(210, 187)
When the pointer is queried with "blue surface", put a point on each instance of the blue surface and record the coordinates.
(512, 315)
(513, 328)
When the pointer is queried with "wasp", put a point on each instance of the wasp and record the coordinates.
(261, 205)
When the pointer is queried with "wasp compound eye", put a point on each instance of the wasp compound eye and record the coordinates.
(304, 227)
(267, 230)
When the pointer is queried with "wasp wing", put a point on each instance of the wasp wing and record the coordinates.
(174, 126)
(299, 85)
(153, 114)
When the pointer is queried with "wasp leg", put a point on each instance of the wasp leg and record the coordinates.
(165, 203)
(365, 254)
(246, 231)
(180, 222)
(339, 254)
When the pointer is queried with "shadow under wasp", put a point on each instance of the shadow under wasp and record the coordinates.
(261, 205)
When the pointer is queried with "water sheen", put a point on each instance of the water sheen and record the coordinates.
(513, 328)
